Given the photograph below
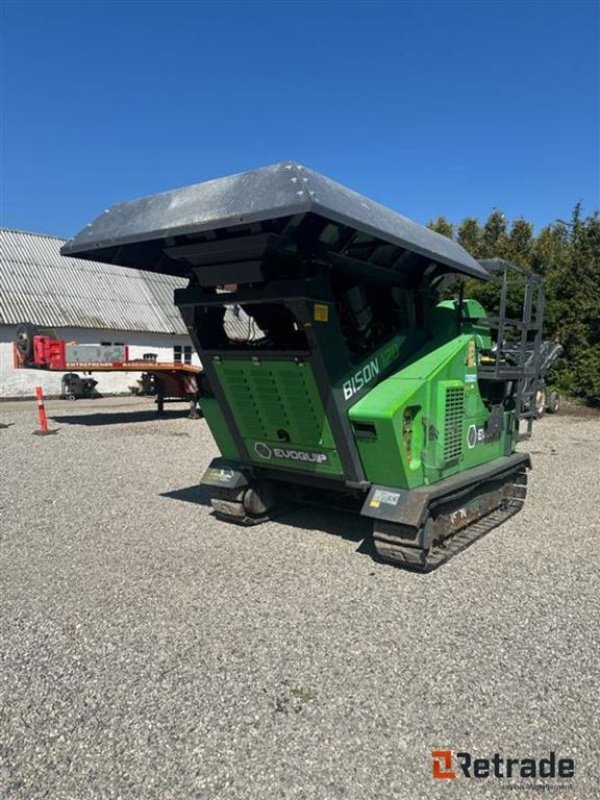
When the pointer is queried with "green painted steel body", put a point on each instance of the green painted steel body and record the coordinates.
(272, 397)
(422, 423)
(424, 417)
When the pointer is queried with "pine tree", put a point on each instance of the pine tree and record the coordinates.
(469, 235)
(573, 290)
(567, 256)
(441, 225)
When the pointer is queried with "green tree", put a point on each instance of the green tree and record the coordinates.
(519, 243)
(493, 236)
(549, 247)
(469, 235)
(441, 225)
(573, 291)
(567, 256)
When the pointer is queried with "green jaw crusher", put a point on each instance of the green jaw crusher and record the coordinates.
(332, 370)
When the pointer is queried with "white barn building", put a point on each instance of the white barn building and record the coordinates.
(84, 302)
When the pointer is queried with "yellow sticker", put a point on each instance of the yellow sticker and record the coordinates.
(321, 313)
(374, 504)
(471, 354)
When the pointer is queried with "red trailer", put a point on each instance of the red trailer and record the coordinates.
(172, 381)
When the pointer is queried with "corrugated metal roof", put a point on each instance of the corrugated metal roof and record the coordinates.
(39, 285)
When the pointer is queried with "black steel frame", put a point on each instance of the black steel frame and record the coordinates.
(518, 362)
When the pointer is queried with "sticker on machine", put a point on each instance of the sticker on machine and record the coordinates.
(474, 435)
(223, 474)
(290, 454)
(383, 496)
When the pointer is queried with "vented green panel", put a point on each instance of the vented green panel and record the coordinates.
(268, 397)
(453, 423)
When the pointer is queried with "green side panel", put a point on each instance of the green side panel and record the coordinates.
(427, 420)
(277, 404)
(218, 428)
(444, 322)
(368, 370)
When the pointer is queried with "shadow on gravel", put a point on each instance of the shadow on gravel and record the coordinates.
(191, 494)
(308, 517)
(118, 418)
(347, 526)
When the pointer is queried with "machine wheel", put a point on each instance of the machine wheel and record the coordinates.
(24, 338)
(260, 498)
(553, 403)
(249, 506)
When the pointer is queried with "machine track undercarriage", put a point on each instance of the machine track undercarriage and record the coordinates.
(448, 520)
(452, 524)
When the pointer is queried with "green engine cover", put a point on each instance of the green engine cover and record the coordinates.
(279, 414)
(428, 420)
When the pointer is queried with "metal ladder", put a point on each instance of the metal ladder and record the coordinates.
(517, 341)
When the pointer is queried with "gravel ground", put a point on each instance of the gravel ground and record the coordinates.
(150, 651)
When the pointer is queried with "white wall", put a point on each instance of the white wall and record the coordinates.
(22, 382)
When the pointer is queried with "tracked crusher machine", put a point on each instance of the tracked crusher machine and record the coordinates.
(333, 372)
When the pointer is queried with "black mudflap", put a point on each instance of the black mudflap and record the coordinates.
(452, 522)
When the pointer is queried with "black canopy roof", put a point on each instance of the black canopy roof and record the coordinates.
(138, 232)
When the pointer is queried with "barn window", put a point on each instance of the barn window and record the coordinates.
(182, 353)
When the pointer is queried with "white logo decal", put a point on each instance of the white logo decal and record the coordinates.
(288, 454)
(361, 378)
(263, 450)
(474, 435)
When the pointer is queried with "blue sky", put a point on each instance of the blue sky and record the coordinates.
(430, 107)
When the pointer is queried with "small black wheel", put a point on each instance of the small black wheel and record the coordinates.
(553, 403)
(24, 338)
(260, 498)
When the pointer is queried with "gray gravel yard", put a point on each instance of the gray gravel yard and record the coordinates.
(151, 651)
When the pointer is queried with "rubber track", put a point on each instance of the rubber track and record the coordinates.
(232, 511)
(439, 554)
(412, 558)
(235, 513)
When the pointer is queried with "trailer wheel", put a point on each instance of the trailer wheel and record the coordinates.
(24, 338)
(159, 399)
(553, 403)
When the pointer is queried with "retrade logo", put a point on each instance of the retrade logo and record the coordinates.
(447, 765)
(442, 764)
